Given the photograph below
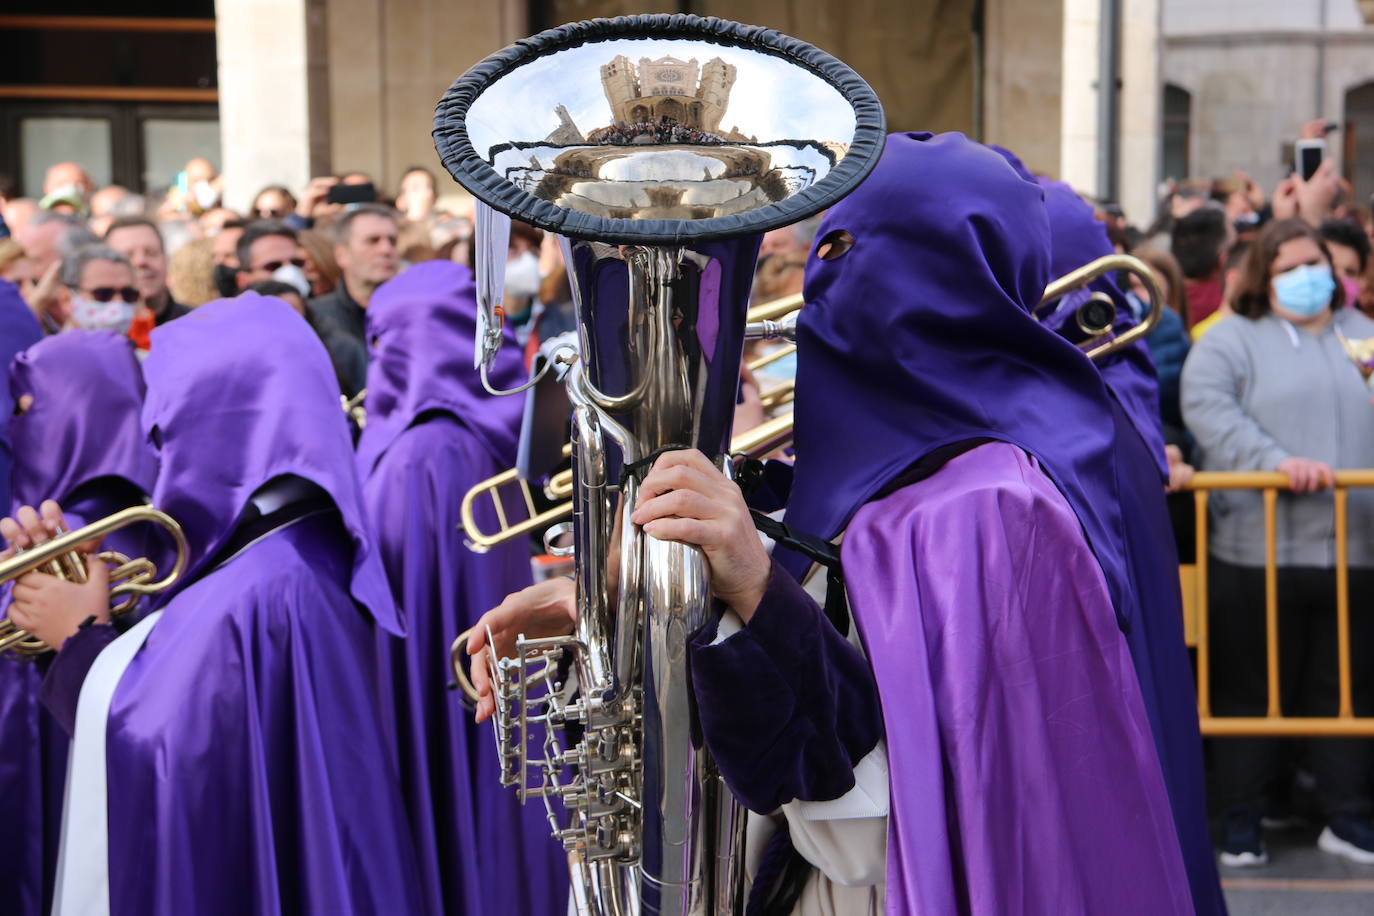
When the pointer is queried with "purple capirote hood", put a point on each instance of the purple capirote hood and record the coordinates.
(1076, 238)
(921, 336)
(87, 392)
(241, 391)
(420, 331)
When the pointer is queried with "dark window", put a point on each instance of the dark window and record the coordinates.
(1178, 112)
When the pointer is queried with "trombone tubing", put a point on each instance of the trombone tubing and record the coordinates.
(1274, 723)
(1089, 272)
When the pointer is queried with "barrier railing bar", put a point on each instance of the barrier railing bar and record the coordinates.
(1271, 599)
(1204, 660)
(1346, 710)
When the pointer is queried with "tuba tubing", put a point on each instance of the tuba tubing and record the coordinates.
(1077, 279)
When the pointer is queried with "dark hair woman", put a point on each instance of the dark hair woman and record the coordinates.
(1270, 388)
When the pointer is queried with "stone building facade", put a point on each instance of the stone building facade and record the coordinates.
(1242, 76)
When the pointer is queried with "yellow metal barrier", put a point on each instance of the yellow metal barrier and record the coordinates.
(1194, 581)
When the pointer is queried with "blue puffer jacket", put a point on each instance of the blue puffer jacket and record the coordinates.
(1168, 344)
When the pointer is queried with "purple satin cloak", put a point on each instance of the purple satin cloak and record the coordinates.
(19, 329)
(432, 433)
(1161, 661)
(79, 443)
(248, 771)
(1024, 778)
(1155, 638)
(480, 849)
(247, 763)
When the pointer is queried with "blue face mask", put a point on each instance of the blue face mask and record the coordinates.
(1305, 290)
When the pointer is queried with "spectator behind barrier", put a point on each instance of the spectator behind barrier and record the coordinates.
(1270, 389)
(1199, 242)
(1349, 255)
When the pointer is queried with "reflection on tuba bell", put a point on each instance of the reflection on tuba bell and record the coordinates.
(620, 136)
(130, 579)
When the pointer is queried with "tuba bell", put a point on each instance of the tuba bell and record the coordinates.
(130, 580)
(657, 148)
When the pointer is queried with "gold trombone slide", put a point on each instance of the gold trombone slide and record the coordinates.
(1076, 279)
(131, 579)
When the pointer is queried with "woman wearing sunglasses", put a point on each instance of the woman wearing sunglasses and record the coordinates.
(98, 290)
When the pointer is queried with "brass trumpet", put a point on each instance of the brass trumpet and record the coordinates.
(130, 579)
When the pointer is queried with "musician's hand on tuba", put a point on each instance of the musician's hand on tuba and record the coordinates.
(685, 498)
(49, 608)
(546, 609)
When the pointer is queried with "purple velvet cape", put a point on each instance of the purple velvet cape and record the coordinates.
(432, 433)
(247, 764)
(81, 434)
(1019, 713)
(952, 247)
(1156, 640)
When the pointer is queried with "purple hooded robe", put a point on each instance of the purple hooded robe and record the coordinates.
(19, 330)
(983, 558)
(1158, 650)
(80, 444)
(246, 764)
(432, 433)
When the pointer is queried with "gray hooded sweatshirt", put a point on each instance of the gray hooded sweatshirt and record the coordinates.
(1255, 392)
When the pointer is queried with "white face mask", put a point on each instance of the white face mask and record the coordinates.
(115, 315)
(522, 276)
(293, 276)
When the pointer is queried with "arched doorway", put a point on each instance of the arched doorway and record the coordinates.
(1178, 133)
(1359, 140)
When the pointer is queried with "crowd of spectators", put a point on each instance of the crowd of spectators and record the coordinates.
(110, 258)
(1263, 291)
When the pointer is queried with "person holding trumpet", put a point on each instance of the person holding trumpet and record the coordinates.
(75, 431)
(228, 752)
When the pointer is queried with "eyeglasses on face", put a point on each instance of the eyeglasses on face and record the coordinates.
(108, 293)
(274, 266)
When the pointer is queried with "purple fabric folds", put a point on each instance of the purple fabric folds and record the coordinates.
(1024, 778)
(420, 327)
(248, 767)
(1076, 237)
(925, 322)
(432, 433)
(223, 431)
(83, 424)
(80, 444)
(18, 331)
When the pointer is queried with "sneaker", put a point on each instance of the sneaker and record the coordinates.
(1241, 843)
(1350, 836)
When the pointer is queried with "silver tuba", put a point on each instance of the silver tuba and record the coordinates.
(657, 148)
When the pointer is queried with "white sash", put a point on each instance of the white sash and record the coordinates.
(83, 865)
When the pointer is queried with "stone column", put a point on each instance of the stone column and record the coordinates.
(1142, 102)
(266, 127)
(1078, 96)
(1023, 58)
